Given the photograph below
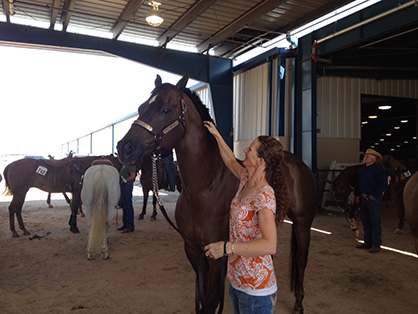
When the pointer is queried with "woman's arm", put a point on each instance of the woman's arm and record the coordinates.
(266, 245)
(227, 155)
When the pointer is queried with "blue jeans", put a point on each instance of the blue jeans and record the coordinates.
(168, 165)
(128, 208)
(243, 303)
(371, 220)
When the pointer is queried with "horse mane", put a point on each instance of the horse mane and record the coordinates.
(200, 106)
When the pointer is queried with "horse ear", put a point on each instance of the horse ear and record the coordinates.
(158, 81)
(183, 81)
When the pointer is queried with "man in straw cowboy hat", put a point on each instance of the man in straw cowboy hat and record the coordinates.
(371, 183)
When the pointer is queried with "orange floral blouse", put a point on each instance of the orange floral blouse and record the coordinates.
(252, 275)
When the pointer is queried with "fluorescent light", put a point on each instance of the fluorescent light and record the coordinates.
(372, 117)
(404, 121)
(384, 107)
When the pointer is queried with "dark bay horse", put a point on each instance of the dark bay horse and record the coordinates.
(54, 176)
(173, 118)
(410, 198)
(399, 176)
(343, 190)
(146, 183)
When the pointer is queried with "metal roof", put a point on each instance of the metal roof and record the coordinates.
(229, 27)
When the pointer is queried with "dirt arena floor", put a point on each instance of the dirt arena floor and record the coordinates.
(48, 272)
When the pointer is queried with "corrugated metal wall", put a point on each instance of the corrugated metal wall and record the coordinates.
(339, 102)
(251, 103)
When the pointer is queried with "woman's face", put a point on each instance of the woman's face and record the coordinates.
(251, 154)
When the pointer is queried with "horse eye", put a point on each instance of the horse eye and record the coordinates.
(166, 110)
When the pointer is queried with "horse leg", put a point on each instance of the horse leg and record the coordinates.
(48, 201)
(154, 209)
(300, 246)
(15, 207)
(75, 205)
(208, 278)
(105, 254)
(144, 204)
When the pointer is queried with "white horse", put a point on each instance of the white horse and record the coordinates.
(410, 199)
(100, 195)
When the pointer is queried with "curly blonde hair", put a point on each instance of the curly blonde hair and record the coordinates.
(271, 150)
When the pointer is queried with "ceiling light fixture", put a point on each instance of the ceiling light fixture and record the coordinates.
(385, 107)
(372, 117)
(154, 17)
(388, 134)
(404, 121)
(364, 122)
(396, 127)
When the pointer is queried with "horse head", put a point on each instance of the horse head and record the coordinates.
(160, 124)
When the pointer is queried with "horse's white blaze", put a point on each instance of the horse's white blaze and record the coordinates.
(100, 195)
(152, 99)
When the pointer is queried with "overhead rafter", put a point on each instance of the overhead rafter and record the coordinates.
(127, 14)
(239, 23)
(54, 14)
(66, 13)
(313, 15)
(6, 10)
(189, 16)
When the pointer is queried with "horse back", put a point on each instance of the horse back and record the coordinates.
(301, 186)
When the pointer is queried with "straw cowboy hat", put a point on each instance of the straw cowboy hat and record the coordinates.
(370, 151)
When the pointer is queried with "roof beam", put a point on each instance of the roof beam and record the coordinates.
(54, 14)
(259, 10)
(183, 21)
(127, 14)
(66, 13)
(6, 10)
(329, 7)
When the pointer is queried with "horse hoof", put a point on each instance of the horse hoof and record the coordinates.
(397, 231)
(153, 218)
(90, 257)
(105, 256)
(50, 206)
(26, 232)
(15, 235)
(74, 230)
(298, 310)
(141, 217)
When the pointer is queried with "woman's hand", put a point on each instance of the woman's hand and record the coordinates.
(215, 250)
(211, 128)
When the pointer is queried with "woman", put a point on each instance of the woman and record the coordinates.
(252, 223)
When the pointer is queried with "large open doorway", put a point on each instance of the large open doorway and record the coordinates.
(389, 125)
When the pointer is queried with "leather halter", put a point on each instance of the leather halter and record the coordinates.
(167, 129)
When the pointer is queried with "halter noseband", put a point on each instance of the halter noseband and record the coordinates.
(170, 127)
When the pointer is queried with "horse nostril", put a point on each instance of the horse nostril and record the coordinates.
(128, 150)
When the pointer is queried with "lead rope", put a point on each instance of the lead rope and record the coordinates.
(199, 294)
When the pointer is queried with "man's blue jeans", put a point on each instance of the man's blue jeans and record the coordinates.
(371, 220)
(128, 209)
(243, 303)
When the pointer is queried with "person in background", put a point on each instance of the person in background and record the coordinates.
(168, 160)
(372, 181)
(252, 223)
(127, 175)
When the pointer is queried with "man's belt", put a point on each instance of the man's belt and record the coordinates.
(365, 196)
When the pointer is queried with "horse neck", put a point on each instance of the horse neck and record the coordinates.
(198, 155)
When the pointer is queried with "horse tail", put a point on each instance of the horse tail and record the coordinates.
(293, 260)
(99, 214)
(8, 190)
